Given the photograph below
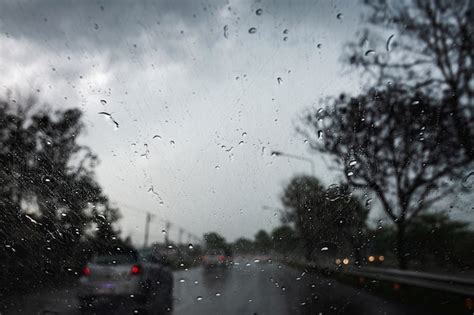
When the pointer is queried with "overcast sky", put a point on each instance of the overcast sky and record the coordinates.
(196, 96)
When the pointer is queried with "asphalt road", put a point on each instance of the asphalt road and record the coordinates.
(248, 287)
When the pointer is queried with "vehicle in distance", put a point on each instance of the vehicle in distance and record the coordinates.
(127, 276)
(214, 259)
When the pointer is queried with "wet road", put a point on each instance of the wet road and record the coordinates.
(245, 288)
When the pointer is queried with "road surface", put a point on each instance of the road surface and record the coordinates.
(248, 287)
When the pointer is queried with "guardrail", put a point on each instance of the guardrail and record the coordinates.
(447, 283)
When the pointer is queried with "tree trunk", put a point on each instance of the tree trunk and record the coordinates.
(401, 252)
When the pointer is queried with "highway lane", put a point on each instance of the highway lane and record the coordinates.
(247, 287)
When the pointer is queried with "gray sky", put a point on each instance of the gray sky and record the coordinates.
(166, 68)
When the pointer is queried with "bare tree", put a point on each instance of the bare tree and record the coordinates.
(426, 46)
(399, 144)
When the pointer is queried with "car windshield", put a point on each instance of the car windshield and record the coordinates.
(237, 157)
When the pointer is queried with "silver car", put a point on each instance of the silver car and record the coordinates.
(127, 277)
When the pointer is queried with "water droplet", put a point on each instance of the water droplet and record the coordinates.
(352, 163)
(47, 180)
(103, 102)
(172, 142)
(468, 180)
(368, 202)
(182, 280)
(320, 134)
(190, 246)
(241, 142)
(285, 31)
(244, 134)
(389, 40)
(217, 167)
(319, 45)
(156, 137)
(324, 249)
(350, 174)
(415, 102)
(339, 16)
(199, 298)
(163, 232)
(196, 282)
(370, 52)
(226, 29)
(259, 12)
(279, 80)
(96, 26)
(305, 141)
(218, 294)
(252, 30)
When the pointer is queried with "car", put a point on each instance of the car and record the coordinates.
(127, 275)
(214, 259)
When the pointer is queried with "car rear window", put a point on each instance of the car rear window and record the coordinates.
(115, 260)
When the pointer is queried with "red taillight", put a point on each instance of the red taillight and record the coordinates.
(86, 271)
(221, 258)
(135, 270)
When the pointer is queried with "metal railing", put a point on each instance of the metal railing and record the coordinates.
(447, 283)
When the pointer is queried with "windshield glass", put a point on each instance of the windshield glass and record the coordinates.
(237, 157)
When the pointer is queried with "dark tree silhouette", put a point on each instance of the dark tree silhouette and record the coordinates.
(49, 199)
(399, 144)
(323, 216)
(263, 241)
(284, 239)
(426, 46)
(215, 241)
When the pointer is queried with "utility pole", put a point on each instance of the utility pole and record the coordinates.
(168, 226)
(147, 228)
(180, 235)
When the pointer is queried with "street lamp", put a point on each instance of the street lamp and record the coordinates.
(296, 157)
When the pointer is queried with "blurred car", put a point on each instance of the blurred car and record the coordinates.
(215, 259)
(138, 277)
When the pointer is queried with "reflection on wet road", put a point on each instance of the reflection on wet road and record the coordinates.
(248, 287)
(261, 288)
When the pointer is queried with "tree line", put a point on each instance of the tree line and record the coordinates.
(53, 212)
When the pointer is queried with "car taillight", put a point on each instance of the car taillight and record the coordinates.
(221, 258)
(86, 271)
(135, 270)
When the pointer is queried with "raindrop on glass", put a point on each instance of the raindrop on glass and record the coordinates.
(252, 30)
(339, 16)
(259, 12)
(285, 31)
(103, 102)
(389, 40)
(199, 298)
(370, 52)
